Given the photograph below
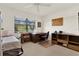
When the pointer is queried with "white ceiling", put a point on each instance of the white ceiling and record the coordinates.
(44, 8)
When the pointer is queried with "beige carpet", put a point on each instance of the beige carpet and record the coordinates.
(45, 44)
(32, 49)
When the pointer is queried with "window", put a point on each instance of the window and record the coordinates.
(24, 25)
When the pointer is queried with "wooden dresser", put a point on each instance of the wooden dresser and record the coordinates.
(26, 37)
(68, 40)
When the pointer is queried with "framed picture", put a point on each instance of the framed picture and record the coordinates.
(39, 24)
(57, 21)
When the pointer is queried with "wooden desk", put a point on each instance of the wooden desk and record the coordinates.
(26, 37)
(36, 37)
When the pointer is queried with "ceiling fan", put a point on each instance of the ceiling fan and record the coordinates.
(38, 5)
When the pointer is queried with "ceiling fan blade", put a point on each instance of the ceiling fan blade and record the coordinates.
(42, 4)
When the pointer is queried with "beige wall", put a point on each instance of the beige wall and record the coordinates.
(70, 23)
(70, 20)
(8, 18)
